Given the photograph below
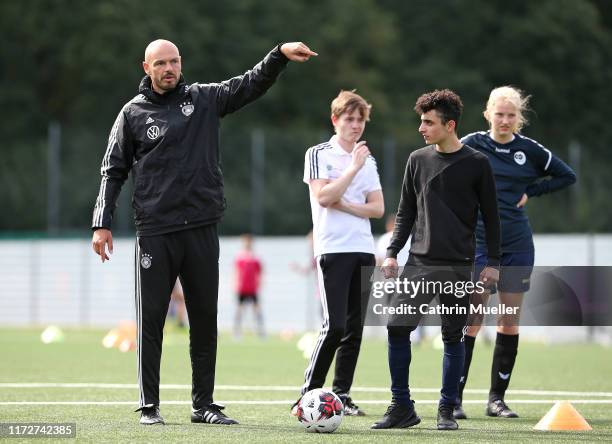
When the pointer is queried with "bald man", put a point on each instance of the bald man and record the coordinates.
(167, 136)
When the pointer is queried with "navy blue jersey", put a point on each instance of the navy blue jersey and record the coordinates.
(518, 167)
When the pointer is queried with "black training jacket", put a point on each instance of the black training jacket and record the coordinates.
(170, 142)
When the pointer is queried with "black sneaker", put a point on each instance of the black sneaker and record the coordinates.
(458, 412)
(150, 416)
(445, 418)
(499, 409)
(211, 414)
(350, 408)
(398, 416)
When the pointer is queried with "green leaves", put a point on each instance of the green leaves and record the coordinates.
(79, 62)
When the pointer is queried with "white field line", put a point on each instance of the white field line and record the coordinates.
(288, 402)
(288, 388)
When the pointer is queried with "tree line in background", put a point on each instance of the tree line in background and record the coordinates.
(76, 63)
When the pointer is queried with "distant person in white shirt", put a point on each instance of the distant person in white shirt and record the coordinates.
(345, 193)
(385, 240)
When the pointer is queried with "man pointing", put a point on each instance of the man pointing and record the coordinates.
(167, 136)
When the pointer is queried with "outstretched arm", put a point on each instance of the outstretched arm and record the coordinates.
(233, 94)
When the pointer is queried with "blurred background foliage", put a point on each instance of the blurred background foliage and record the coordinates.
(76, 63)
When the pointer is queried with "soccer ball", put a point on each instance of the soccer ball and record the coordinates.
(320, 411)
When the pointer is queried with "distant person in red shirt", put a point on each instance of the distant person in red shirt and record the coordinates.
(248, 277)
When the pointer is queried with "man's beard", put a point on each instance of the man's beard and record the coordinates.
(165, 86)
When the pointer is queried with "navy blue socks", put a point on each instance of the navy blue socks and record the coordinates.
(400, 355)
(452, 368)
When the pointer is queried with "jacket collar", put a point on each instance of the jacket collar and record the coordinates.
(145, 89)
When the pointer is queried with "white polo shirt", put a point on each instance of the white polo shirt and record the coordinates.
(336, 231)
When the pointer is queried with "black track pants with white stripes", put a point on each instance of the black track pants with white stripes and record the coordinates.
(344, 291)
(194, 256)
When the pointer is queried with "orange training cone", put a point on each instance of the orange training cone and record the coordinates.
(563, 416)
(122, 337)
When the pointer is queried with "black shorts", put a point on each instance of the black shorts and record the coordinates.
(247, 298)
(453, 302)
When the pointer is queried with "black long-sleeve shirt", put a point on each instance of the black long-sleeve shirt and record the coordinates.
(441, 196)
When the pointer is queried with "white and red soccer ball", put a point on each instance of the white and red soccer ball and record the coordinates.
(320, 411)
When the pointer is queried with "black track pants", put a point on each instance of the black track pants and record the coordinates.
(194, 256)
(344, 291)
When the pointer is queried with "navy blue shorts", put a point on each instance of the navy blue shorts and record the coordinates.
(515, 271)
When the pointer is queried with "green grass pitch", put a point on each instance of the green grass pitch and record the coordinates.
(276, 363)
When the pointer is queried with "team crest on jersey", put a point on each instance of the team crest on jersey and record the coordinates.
(146, 260)
(520, 158)
(153, 132)
(187, 108)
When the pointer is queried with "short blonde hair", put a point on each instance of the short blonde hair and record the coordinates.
(515, 97)
(348, 102)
